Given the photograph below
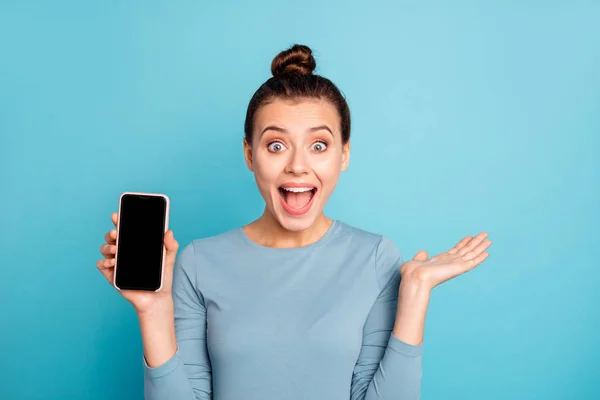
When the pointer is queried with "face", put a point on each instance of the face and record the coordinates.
(296, 155)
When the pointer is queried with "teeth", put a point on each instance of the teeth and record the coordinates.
(297, 189)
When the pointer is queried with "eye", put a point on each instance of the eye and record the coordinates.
(276, 147)
(319, 147)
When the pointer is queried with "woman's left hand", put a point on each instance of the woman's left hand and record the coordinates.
(430, 272)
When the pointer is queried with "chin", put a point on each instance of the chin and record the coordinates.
(294, 224)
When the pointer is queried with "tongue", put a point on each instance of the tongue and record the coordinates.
(297, 200)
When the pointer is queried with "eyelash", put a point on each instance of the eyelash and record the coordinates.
(323, 142)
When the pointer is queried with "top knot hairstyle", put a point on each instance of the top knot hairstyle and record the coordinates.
(293, 79)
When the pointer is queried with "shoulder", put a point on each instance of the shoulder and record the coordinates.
(217, 242)
(357, 236)
(386, 255)
(190, 254)
(379, 242)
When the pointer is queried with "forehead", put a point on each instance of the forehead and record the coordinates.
(297, 115)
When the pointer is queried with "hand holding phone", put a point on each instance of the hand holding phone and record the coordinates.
(140, 253)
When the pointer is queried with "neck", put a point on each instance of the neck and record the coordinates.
(267, 231)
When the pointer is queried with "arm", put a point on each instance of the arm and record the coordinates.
(387, 367)
(178, 369)
(413, 301)
(401, 307)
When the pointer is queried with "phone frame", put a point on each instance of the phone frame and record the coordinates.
(164, 253)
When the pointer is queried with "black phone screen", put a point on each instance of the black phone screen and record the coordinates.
(140, 242)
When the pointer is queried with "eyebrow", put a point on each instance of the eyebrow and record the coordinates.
(279, 129)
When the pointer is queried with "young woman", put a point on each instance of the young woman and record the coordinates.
(293, 305)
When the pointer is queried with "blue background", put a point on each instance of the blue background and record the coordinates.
(466, 118)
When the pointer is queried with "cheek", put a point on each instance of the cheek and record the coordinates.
(266, 169)
(328, 171)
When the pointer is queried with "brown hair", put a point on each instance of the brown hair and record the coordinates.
(293, 80)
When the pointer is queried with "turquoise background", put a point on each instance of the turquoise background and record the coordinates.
(466, 118)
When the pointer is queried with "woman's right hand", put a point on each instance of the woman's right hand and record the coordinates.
(143, 301)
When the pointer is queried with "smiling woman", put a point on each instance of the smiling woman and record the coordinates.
(299, 144)
(293, 305)
(297, 134)
(297, 197)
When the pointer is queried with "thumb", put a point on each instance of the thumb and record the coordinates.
(172, 246)
(421, 256)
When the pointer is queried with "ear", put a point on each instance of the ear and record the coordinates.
(248, 155)
(345, 155)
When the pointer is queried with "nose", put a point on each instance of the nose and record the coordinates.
(298, 164)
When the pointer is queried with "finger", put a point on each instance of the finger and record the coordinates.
(172, 246)
(111, 236)
(477, 250)
(421, 256)
(108, 250)
(459, 245)
(106, 267)
(114, 218)
(472, 263)
(472, 243)
(106, 263)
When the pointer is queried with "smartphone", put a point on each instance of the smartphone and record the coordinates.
(143, 219)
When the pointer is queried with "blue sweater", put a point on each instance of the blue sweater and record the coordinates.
(313, 322)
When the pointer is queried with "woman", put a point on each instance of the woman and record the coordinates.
(293, 305)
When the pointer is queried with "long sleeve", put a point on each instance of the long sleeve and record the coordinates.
(387, 368)
(187, 375)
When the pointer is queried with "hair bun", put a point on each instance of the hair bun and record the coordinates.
(297, 59)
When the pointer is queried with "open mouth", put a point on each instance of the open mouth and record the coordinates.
(297, 200)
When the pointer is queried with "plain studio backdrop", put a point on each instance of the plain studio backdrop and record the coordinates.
(466, 118)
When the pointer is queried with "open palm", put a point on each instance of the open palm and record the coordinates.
(466, 255)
